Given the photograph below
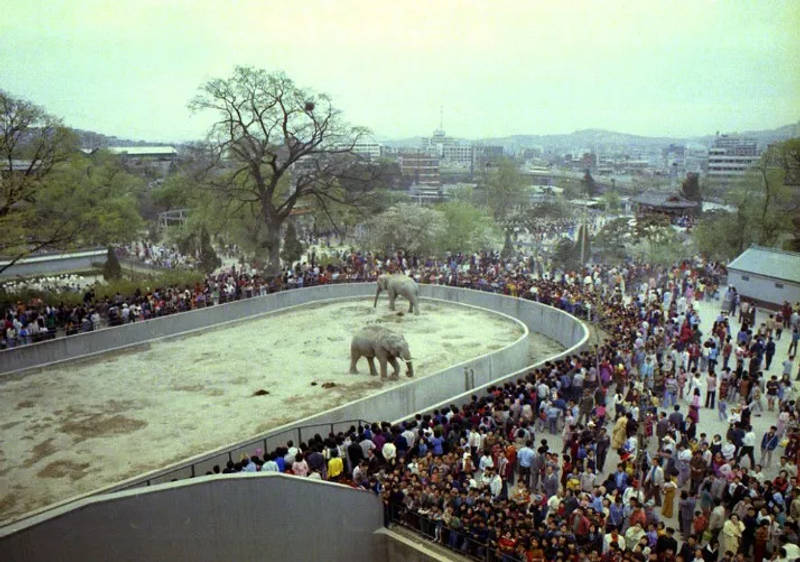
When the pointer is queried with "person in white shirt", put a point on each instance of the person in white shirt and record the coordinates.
(486, 462)
(728, 450)
(748, 446)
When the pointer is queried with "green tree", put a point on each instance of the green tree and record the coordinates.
(292, 246)
(32, 144)
(467, 228)
(764, 207)
(412, 228)
(612, 239)
(573, 189)
(583, 245)
(658, 242)
(51, 195)
(268, 130)
(612, 201)
(690, 187)
(590, 188)
(505, 188)
(566, 254)
(111, 269)
(209, 261)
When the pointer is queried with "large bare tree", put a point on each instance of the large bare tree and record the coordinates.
(274, 147)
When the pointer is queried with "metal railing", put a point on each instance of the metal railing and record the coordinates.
(458, 540)
(199, 465)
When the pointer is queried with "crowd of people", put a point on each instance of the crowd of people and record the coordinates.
(37, 320)
(593, 456)
(585, 458)
(155, 254)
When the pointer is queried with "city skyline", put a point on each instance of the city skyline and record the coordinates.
(500, 69)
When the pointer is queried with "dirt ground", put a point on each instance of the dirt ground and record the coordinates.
(74, 428)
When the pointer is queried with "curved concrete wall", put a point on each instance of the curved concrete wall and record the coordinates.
(395, 403)
(236, 517)
(565, 329)
(53, 264)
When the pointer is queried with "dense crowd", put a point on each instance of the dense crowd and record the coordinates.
(36, 320)
(591, 456)
(585, 458)
(155, 254)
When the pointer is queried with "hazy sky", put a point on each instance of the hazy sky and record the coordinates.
(128, 68)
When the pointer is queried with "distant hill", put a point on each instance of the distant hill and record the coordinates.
(609, 140)
(764, 137)
(593, 139)
(602, 139)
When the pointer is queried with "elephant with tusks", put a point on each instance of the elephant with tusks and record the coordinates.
(398, 284)
(386, 345)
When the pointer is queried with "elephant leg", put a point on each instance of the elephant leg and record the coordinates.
(411, 306)
(392, 296)
(415, 303)
(395, 366)
(354, 357)
(382, 362)
(371, 361)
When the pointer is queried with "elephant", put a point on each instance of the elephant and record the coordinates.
(398, 284)
(386, 345)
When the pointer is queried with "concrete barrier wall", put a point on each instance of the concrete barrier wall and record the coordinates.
(54, 264)
(101, 341)
(45, 353)
(398, 402)
(237, 517)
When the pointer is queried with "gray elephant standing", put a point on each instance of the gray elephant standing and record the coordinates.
(386, 345)
(399, 284)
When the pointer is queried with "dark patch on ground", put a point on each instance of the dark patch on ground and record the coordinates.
(61, 469)
(8, 501)
(100, 425)
(188, 388)
(40, 451)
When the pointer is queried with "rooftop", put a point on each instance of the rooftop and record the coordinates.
(663, 199)
(143, 150)
(770, 262)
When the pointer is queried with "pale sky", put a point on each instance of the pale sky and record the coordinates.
(129, 68)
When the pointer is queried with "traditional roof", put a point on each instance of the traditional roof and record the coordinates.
(662, 199)
(769, 262)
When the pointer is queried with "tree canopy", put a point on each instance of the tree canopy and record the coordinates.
(51, 195)
(766, 205)
(505, 187)
(274, 147)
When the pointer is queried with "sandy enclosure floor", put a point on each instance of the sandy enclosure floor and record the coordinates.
(72, 429)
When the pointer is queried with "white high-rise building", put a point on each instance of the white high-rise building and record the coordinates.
(729, 158)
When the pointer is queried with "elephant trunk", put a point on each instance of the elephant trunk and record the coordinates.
(377, 293)
(409, 366)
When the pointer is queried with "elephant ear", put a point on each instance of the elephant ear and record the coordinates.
(394, 343)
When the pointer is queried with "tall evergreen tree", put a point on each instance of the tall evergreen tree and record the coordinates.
(589, 185)
(292, 246)
(111, 269)
(209, 260)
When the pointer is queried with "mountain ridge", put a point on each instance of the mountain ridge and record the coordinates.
(604, 138)
(590, 138)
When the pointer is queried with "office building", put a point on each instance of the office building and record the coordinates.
(729, 159)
